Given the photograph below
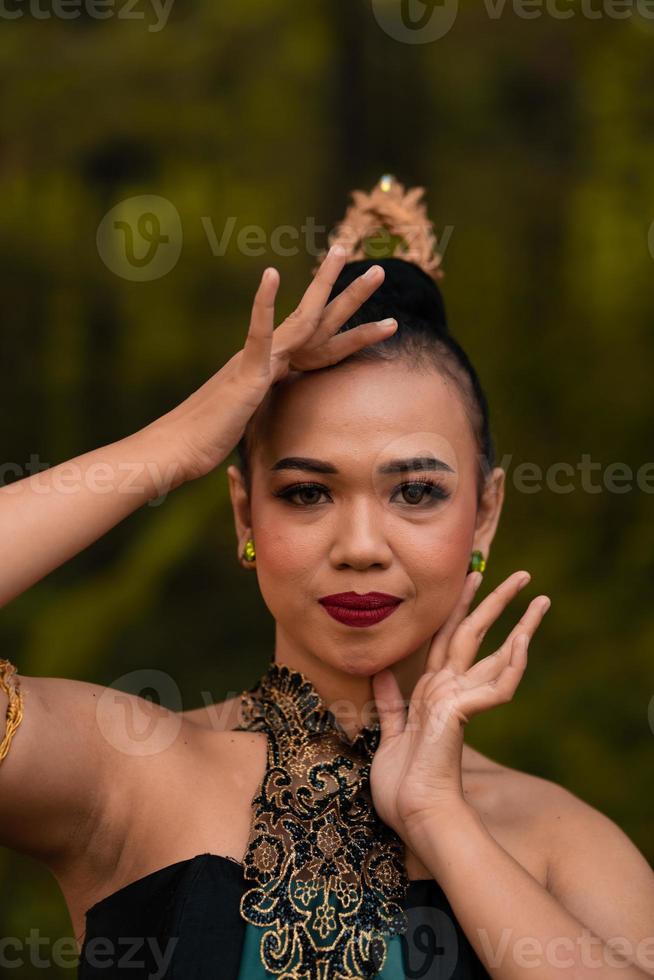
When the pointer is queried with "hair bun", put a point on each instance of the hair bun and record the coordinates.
(406, 289)
(390, 227)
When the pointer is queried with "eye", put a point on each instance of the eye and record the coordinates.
(306, 488)
(436, 491)
(416, 490)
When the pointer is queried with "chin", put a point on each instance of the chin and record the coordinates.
(360, 665)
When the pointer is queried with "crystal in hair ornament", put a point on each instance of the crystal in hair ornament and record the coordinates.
(389, 222)
(328, 880)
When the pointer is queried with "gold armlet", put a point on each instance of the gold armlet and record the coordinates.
(11, 685)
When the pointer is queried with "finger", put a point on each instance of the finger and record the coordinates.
(438, 649)
(348, 302)
(336, 348)
(390, 704)
(501, 689)
(467, 637)
(311, 307)
(490, 667)
(258, 343)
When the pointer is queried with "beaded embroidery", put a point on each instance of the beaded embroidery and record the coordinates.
(330, 880)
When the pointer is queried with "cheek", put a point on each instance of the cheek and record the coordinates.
(436, 558)
(287, 556)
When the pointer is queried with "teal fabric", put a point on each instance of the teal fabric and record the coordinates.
(322, 916)
(251, 965)
(394, 965)
(252, 968)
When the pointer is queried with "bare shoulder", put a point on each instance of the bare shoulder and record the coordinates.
(219, 717)
(510, 797)
(529, 804)
(574, 830)
(593, 868)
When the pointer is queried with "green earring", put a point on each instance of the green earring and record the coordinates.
(248, 551)
(477, 562)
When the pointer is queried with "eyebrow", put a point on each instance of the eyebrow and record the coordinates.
(393, 466)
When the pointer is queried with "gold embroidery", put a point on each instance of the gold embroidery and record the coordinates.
(329, 876)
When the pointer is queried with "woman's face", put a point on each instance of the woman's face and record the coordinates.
(356, 528)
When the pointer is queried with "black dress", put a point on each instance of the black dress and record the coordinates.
(182, 922)
(322, 893)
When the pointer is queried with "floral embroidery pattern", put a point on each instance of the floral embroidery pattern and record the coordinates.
(329, 876)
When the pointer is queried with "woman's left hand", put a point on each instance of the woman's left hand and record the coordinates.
(416, 771)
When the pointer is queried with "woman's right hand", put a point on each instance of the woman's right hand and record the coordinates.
(208, 424)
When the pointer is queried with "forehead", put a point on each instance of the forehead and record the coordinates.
(361, 411)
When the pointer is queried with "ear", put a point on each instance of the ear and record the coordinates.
(488, 513)
(241, 510)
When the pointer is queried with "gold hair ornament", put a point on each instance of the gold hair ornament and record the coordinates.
(11, 685)
(389, 222)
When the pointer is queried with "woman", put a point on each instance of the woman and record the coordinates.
(331, 822)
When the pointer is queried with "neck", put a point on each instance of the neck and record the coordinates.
(348, 695)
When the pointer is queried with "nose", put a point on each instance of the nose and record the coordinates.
(359, 538)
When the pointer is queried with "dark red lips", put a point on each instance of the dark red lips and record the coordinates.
(360, 610)
(351, 600)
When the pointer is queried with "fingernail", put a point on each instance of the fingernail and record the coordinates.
(524, 580)
(372, 272)
(389, 321)
(547, 605)
(337, 250)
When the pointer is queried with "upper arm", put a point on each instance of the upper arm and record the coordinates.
(601, 877)
(58, 779)
(49, 777)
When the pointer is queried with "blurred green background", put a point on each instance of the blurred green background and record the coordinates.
(534, 139)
